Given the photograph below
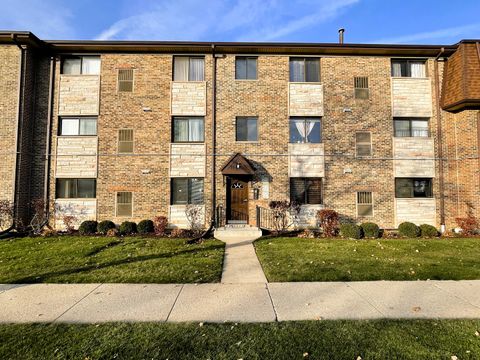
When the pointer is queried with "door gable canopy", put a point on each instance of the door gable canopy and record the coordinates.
(238, 165)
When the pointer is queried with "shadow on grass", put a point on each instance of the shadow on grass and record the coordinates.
(99, 249)
(42, 277)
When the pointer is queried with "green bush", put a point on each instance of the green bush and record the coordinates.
(128, 228)
(88, 227)
(428, 230)
(408, 229)
(351, 231)
(145, 227)
(104, 226)
(370, 230)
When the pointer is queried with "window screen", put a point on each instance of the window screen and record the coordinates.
(364, 203)
(363, 141)
(125, 141)
(124, 203)
(125, 80)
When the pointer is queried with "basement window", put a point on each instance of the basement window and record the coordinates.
(76, 188)
(187, 191)
(81, 65)
(413, 188)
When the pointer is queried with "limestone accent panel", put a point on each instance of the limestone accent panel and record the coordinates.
(76, 157)
(307, 218)
(415, 157)
(306, 160)
(178, 219)
(79, 95)
(189, 98)
(305, 99)
(411, 97)
(81, 209)
(187, 160)
(416, 210)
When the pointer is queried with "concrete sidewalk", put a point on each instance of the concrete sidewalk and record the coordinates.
(254, 302)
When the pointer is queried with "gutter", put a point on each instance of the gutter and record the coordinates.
(441, 184)
(214, 134)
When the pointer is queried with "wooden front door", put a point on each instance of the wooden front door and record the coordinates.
(238, 191)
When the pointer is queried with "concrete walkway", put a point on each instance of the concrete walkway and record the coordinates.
(254, 302)
(240, 263)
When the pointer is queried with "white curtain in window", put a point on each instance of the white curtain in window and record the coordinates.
(196, 69)
(91, 65)
(195, 127)
(397, 69)
(304, 128)
(69, 127)
(420, 128)
(417, 69)
(181, 130)
(180, 68)
(72, 66)
(297, 70)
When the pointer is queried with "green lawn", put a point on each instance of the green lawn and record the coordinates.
(380, 339)
(69, 259)
(302, 259)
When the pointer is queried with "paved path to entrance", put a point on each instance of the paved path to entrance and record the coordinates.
(254, 302)
(240, 263)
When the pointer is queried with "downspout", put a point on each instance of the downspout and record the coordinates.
(214, 134)
(17, 128)
(441, 184)
(46, 179)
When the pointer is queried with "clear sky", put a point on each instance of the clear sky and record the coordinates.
(365, 21)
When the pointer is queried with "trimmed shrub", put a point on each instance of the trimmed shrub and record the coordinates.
(160, 224)
(351, 231)
(370, 230)
(328, 221)
(104, 226)
(408, 229)
(145, 227)
(128, 228)
(428, 230)
(88, 227)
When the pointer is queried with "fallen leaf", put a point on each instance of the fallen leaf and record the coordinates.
(416, 308)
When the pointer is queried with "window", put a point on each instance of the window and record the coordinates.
(125, 141)
(363, 143)
(364, 203)
(306, 190)
(188, 129)
(246, 129)
(305, 130)
(361, 87)
(187, 191)
(413, 188)
(411, 127)
(408, 68)
(78, 126)
(76, 188)
(188, 68)
(245, 68)
(125, 80)
(81, 65)
(304, 69)
(124, 203)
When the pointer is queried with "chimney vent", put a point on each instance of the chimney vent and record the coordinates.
(340, 35)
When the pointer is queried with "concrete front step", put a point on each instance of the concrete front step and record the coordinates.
(229, 233)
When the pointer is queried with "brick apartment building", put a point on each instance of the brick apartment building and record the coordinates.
(131, 130)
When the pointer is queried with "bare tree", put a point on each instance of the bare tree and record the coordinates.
(194, 214)
(285, 214)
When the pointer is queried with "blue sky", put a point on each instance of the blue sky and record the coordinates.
(366, 21)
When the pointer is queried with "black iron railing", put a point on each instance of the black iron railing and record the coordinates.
(265, 218)
(237, 215)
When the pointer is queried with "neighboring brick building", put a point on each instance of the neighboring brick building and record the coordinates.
(132, 130)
